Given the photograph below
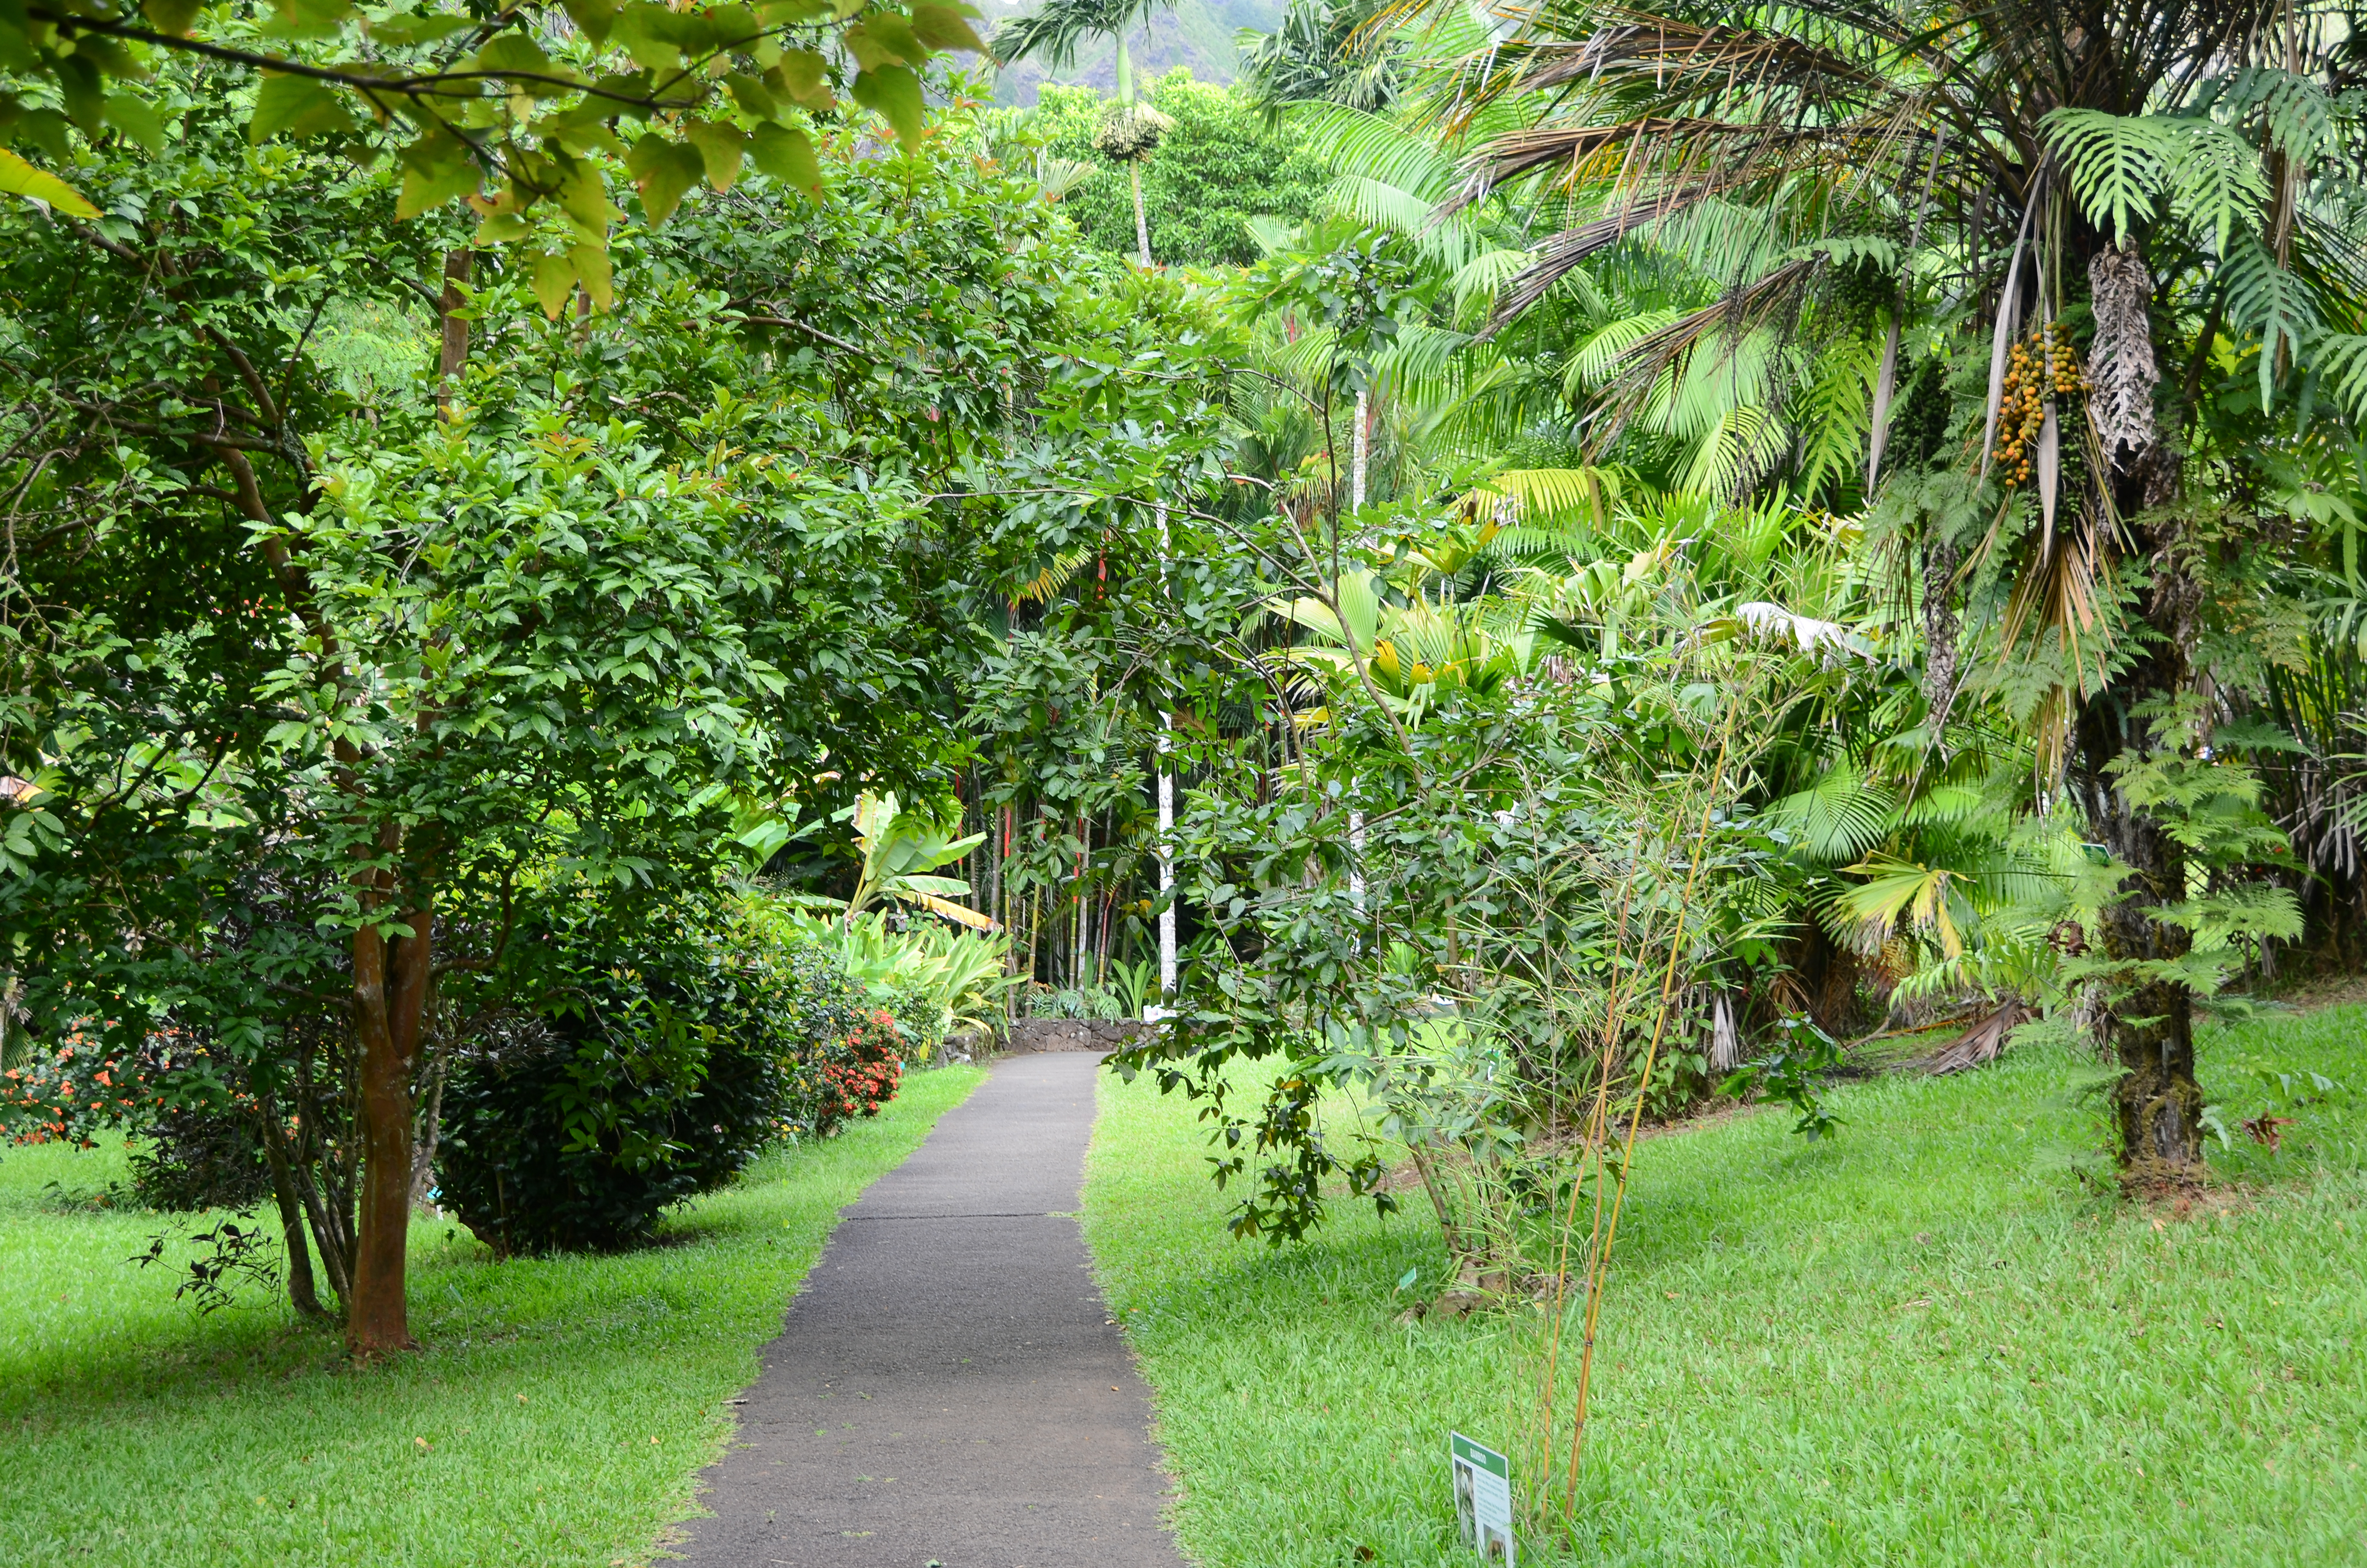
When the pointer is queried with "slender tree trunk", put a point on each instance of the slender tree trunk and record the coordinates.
(431, 1117)
(301, 1291)
(1940, 560)
(1141, 221)
(453, 353)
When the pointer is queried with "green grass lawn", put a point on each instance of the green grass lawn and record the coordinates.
(558, 1415)
(1920, 1342)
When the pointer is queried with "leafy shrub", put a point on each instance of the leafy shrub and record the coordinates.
(1088, 1002)
(862, 1072)
(200, 1157)
(652, 1077)
(920, 1019)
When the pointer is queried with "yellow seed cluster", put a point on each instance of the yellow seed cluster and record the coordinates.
(2043, 366)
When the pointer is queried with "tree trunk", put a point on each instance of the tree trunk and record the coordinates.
(2149, 1030)
(301, 1292)
(1141, 221)
(389, 997)
(1939, 561)
(453, 353)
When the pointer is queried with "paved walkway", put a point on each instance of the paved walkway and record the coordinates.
(948, 1388)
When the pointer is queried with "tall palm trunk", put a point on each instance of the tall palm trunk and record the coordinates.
(1134, 165)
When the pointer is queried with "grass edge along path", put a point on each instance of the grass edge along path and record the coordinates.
(560, 1413)
(1921, 1342)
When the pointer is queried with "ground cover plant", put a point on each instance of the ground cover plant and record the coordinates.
(558, 1416)
(1924, 1340)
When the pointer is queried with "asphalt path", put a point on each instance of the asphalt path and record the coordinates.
(948, 1388)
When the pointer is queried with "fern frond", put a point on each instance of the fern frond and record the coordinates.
(2118, 164)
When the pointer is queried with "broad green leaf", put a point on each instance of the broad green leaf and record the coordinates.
(893, 92)
(82, 92)
(502, 229)
(45, 128)
(18, 178)
(554, 280)
(133, 117)
(803, 76)
(316, 19)
(648, 33)
(596, 17)
(298, 105)
(436, 168)
(720, 147)
(751, 95)
(881, 39)
(663, 170)
(583, 197)
(172, 18)
(591, 272)
(947, 26)
(523, 65)
(409, 33)
(787, 156)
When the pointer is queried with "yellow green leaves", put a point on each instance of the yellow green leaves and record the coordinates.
(172, 18)
(436, 168)
(893, 92)
(523, 66)
(787, 156)
(556, 274)
(409, 33)
(883, 39)
(886, 46)
(946, 28)
(297, 106)
(721, 147)
(663, 171)
(755, 98)
(18, 178)
(596, 17)
(311, 18)
(800, 76)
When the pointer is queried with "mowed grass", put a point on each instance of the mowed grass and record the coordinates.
(559, 1414)
(1922, 1341)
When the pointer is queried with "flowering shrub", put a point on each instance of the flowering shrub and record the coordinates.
(71, 1095)
(862, 1073)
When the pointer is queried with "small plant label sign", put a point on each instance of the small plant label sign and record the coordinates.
(1483, 1498)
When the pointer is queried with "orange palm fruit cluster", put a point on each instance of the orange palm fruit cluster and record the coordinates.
(2040, 368)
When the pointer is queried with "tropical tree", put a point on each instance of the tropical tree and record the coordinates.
(1129, 132)
(2115, 243)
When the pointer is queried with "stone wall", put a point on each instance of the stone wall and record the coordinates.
(1070, 1034)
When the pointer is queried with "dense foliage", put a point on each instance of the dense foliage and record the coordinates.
(1218, 169)
(321, 686)
(648, 1079)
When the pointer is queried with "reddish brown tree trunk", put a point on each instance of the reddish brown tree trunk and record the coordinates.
(389, 1003)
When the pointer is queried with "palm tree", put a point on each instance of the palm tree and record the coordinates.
(1054, 30)
(2177, 168)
